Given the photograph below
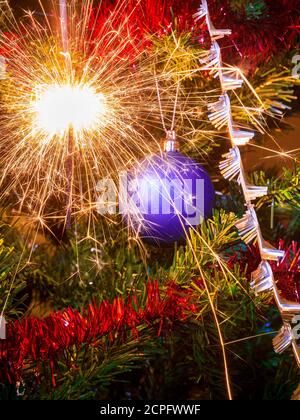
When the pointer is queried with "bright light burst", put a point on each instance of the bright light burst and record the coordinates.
(60, 107)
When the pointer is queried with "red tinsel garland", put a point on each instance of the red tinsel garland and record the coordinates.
(253, 41)
(258, 40)
(33, 340)
(286, 272)
(134, 20)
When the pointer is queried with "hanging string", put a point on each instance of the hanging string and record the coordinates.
(161, 108)
(175, 106)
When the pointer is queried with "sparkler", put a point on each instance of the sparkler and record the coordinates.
(66, 95)
(65, 109)
(70, 98)
(72, 104)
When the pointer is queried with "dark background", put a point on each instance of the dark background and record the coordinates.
(23, 4)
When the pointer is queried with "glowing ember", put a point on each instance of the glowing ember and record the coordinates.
(60, 106)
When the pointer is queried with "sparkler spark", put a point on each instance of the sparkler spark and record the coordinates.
(59, 107)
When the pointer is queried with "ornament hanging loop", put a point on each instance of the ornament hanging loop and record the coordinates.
(171, 143)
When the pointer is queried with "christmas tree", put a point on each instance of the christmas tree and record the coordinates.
(104, 293)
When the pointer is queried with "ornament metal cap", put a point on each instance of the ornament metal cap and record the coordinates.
(171, 142)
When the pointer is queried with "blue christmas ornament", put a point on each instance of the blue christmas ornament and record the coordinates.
(167, 194)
